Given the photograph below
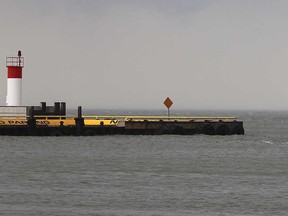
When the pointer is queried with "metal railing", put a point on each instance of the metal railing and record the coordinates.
(14, 61)
(128, 117)
(163, 118)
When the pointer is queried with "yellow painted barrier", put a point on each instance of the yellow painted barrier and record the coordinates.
(13, 122)
(38, 122)
(57, 121)
(91, 122)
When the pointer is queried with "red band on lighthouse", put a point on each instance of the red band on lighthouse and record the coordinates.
(14, 72)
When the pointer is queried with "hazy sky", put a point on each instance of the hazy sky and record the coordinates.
(210, 54)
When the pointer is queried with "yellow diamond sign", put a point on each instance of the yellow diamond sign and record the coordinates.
(168, 102)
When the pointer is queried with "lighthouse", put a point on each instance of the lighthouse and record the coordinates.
(14, 80)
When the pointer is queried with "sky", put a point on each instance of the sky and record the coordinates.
(132, 54)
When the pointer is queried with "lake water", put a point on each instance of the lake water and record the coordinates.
(165, 175)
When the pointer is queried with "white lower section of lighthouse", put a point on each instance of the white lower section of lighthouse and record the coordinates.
(14, 92)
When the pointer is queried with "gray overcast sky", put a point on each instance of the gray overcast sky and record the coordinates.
(211, 54)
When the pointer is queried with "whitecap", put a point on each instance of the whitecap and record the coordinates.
(267, 142)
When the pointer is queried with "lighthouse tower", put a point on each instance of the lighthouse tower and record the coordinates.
(14, 80)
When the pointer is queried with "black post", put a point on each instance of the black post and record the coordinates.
(43, 108)
(79, 111)
(79, 121)
(56, 108)
(63, 108)
(31, 121)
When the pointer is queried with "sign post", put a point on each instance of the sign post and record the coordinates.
(168, 103)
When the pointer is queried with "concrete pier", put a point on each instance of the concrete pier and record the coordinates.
(126, 125)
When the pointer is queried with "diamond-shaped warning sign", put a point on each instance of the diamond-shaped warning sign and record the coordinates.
(168, 102)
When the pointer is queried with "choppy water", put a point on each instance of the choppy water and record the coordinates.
(150, 175)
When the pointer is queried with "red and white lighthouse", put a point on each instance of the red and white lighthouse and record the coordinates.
(14, 80)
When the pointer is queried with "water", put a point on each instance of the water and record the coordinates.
(165, 175)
